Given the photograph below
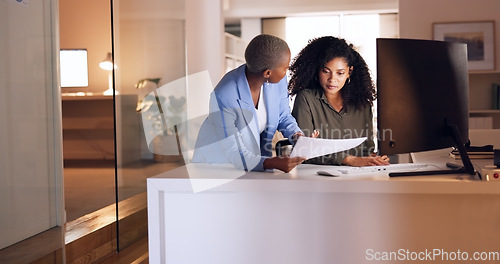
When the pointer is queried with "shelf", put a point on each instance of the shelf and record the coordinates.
(234, 45)
(235, 51)
(485, 111)
(235, 57)
(485, 72)
(85, 97)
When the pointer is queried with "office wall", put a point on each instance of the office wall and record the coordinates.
(274, 26)
(281, 8)
(167, 40)
(250, 27)
(153, 39)
(30, 117)
(416, 17)
(88, 124)
(205, 24)
(149, 43)
(87, 25)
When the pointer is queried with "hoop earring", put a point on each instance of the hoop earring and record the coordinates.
(348, 81)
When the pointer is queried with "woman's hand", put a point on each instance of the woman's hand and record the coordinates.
(366, 161)
(296, 136)
(285, 164)
(315, 133)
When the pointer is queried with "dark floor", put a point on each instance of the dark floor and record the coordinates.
(136, 254)
(90, 185)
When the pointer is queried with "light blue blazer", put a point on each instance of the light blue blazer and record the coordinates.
(230, 133)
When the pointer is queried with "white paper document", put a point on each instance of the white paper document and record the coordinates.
(308, 147)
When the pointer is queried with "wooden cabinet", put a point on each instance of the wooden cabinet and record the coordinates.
(88, 127)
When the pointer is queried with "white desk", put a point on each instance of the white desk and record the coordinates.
(300, 217)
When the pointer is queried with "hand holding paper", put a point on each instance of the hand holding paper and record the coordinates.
(308, 147)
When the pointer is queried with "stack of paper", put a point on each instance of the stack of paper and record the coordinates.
(308, 147)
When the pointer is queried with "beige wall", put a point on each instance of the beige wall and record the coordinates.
(87, 25)
(282, 8)
(275, 27)
(30, 131)
(416, 17)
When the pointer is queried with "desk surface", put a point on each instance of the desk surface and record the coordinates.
(300, 217)
(223, 177)
(84, 96)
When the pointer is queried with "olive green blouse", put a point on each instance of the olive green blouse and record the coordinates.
(312, 111)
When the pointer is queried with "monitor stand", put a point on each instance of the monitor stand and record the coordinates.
(468, 168)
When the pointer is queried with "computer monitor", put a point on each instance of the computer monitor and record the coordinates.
(422, 102)
(74, 68)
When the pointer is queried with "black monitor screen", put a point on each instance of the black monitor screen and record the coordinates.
(422, 88)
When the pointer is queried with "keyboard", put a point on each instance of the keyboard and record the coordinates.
(386, 168)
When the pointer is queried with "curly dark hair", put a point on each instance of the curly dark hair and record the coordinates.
(305, 67)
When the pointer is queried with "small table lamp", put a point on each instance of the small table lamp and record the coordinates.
(107, 64)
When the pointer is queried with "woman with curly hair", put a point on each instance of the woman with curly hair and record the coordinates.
(334, 94)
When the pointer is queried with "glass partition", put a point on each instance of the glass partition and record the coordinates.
(149, 49)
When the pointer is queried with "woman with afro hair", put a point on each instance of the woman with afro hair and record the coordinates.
(334, 94)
